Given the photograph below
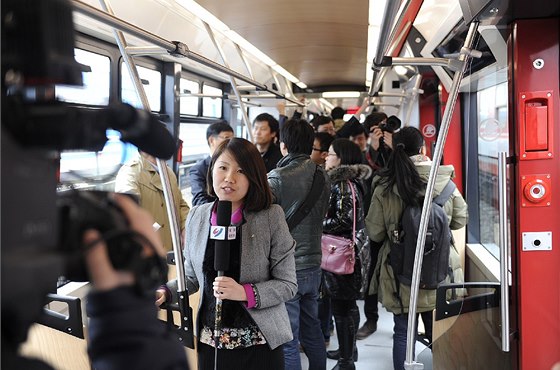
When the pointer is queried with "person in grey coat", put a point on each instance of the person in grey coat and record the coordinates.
(261, 276)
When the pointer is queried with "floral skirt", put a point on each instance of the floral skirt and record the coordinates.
(256, 357)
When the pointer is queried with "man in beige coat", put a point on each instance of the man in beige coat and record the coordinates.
(142, 179)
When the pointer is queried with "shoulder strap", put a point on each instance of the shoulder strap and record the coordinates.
(312, 197)
(445, 194)
(353, 212)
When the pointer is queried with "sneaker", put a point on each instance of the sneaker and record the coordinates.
(366, 330)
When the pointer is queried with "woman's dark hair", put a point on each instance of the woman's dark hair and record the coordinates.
(245, 153)
(347, 151)
(400, 170)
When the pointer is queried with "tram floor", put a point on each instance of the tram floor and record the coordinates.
(375, 352)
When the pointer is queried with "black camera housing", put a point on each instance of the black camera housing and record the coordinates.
(391, 125)
(83, 210)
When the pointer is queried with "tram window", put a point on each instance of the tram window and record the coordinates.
(211, 107)
(152, 86)
(95, 90)
(189, 105)
(195, 145)
(493, 137)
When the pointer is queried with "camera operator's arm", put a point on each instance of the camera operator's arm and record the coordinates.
(124, 332)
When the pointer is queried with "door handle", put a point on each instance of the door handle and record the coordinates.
(504, 245)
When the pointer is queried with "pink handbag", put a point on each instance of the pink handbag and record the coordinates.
(338, 254)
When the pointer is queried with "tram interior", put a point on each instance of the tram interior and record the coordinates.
(309, 56)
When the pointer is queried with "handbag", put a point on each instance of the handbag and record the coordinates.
(338, 254)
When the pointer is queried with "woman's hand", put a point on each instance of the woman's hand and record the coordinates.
(227, 288)
(161, 297)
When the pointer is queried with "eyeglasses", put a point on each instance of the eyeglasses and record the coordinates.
(317, 150)
(329, 154)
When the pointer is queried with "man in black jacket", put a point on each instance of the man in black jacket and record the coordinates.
(265, 134)
(291, 183)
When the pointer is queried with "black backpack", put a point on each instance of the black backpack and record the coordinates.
(435, 264)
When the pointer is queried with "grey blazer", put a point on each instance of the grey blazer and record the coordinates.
(267, 261)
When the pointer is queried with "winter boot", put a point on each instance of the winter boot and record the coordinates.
(346, 333)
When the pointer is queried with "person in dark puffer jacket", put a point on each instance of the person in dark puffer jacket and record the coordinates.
(345, 169)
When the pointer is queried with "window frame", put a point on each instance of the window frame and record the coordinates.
(149, 64)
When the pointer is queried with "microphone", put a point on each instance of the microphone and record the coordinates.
(142, 129)
(220, 234)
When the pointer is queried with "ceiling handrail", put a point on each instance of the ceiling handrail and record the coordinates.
(174, 48)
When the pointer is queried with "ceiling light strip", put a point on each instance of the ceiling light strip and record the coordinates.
(204, 15)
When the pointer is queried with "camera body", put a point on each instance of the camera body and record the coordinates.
(391, 125)
(79, 211)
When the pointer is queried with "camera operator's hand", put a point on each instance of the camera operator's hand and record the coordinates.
(103, 275)
(375, 135)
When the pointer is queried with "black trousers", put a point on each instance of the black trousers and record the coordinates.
(370, 301)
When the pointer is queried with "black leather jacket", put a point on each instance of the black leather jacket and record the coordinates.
(339, 215)
(290, 183)
(339, 221)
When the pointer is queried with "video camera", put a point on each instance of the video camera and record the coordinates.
(42, 231)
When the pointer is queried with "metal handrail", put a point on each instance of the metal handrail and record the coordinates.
(410, 364)
(232, 82)
(176, 49)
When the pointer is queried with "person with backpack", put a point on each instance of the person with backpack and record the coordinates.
(399, 187)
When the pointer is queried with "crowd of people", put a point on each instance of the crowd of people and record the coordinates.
(295, 182)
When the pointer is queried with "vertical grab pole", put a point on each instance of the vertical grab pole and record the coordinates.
(504, 245)
(167, 193)
(409, 363)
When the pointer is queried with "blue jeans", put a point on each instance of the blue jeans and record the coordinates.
(399, 339)
(306, 328)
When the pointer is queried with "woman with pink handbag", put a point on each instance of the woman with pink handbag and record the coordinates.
(345, 218)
